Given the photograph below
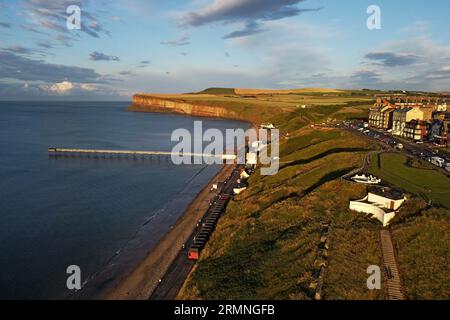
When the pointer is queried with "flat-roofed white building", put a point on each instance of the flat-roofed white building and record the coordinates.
(381, 203)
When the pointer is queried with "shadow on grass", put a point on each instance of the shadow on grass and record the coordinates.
(299, 195)
(323, 155)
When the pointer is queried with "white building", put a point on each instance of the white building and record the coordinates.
(381, 203)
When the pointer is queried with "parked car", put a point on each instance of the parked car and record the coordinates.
(438, 162)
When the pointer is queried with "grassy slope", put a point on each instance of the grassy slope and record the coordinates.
(424, 182)
(354, 247)
(218, 91)
(422, 237)
(266, 243)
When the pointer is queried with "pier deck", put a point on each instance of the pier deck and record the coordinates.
(105, 153)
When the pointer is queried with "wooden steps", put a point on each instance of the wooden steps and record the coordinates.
(390, 267)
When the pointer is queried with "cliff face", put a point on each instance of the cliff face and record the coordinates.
(149, 103)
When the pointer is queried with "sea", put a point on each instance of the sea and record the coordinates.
(95, 213)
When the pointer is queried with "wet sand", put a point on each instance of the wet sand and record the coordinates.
(143, 280)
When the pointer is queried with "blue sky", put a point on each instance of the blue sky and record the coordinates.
(132, 46)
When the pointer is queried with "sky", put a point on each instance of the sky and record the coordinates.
(157, 46)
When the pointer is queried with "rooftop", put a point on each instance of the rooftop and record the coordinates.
(390, 193)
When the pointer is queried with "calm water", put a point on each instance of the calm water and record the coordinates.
(97, 214)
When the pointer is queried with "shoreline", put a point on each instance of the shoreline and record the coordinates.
(141, 282)
(144, 278)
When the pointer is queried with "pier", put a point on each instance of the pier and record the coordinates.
(99, 153)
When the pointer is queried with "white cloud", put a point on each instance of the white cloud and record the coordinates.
(68, 88)
(60, 88)
(430, 72)
(88, 87)
(417, 27)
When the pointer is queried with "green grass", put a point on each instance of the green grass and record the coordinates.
(421, 234)
(265, 246)
(282, 109)
(445, 151)
(426, 183)
(353, 249)
(422, 242)
(266, 243)
(218, 91)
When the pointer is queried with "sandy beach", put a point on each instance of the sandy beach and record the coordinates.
(142, 281)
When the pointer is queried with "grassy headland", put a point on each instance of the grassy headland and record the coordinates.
(291, 110)
(266, 246)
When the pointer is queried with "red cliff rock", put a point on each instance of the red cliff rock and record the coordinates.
(160, 103)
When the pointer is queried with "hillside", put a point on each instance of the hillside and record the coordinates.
(230, 91)
(246, 91)
(268, 243)
(295, 110)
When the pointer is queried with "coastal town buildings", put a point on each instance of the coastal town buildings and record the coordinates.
(415, 118)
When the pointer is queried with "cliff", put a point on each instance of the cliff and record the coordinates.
(172, 104)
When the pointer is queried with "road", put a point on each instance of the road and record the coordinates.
(179, 270)
(410, 149)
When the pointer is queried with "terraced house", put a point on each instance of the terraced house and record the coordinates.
(415, 118)
(375, 116)
(403, 118)
(440, 129)
(381, 115)
(417, 130)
